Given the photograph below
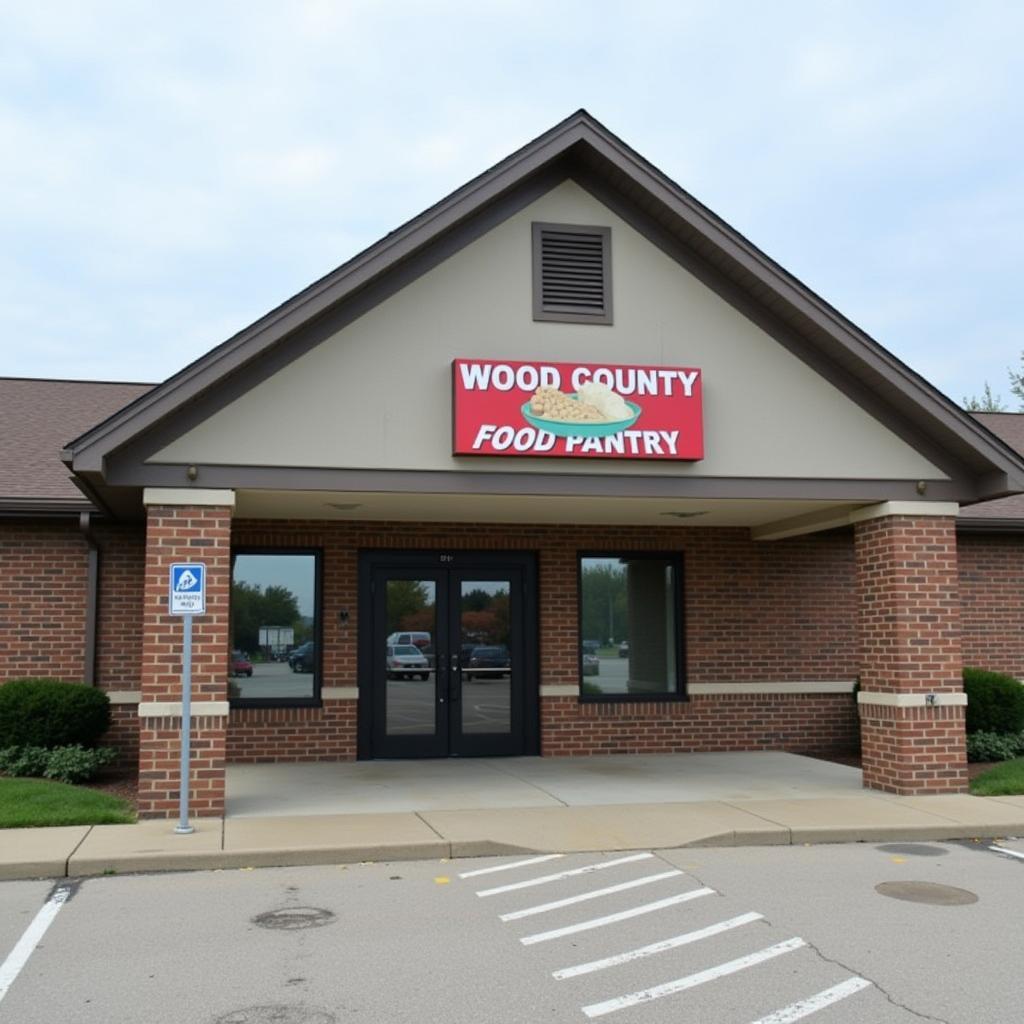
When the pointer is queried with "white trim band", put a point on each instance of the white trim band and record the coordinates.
(188, 496)
(339, 692)
(912, 700)
(810, 686)
(172, 709)
(124, 696)
(722, 689)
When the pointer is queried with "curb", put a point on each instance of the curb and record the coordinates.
(162, 861)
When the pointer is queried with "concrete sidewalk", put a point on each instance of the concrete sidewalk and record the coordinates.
(411, 835)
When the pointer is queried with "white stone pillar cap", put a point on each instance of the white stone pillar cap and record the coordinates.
(188, 496)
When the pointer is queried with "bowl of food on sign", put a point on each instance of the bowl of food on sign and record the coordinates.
(592, 411)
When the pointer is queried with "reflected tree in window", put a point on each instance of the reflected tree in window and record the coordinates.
(410, 606)
(629, 625)
(274, 656)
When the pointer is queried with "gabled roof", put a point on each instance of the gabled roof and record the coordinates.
(36, 419)
(979, 465)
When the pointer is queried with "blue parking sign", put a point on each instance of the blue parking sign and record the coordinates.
(188, 589)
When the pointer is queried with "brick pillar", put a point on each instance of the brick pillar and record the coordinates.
(184, 526)
(911, 699)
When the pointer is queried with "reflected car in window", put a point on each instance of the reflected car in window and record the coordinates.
(488, 663)
(301, 659)
(240, 664)
(406, 661)
(417, 639)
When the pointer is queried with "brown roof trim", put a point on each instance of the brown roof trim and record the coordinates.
(981, 525)
(44, 507)
(82, 380)
(997, 468)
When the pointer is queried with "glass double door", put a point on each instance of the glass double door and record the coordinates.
(448, 653)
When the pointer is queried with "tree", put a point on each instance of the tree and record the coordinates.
(1016, 385)
(604, 603)
(407, 598)
(253, 607)
(994, 403)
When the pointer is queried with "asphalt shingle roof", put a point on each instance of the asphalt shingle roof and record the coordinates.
(1008, 427)
(38, 418)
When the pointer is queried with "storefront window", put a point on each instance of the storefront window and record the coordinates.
(274, 656)
(630, 626)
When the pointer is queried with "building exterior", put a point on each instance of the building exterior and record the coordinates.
(563, 466)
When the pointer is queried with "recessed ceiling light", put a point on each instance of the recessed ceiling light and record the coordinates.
(683, 515)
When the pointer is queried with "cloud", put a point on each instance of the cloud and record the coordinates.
(172, 174)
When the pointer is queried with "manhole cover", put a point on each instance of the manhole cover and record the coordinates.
(927, 892)
(913, 849)
(293, 918)
(277, 1015)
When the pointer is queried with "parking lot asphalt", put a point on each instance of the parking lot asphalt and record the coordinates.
(884, 933)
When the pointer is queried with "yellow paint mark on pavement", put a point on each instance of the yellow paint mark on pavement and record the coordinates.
(898, 860)
(442, 880)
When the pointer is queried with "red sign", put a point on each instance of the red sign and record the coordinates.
(577, 410)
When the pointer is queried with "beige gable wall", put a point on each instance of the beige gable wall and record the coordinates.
(378, 394)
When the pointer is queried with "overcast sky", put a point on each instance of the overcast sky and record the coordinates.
(170, 172)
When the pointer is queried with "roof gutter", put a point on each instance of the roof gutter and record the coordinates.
(92, 596)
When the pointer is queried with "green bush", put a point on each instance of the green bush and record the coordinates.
(994, 746)
(62, 764)
(77, 764)
(995, 702)
(24, 760)
(49, 713)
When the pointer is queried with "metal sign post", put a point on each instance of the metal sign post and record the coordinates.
(187, 599)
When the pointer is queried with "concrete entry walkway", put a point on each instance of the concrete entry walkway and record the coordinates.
(364, 787)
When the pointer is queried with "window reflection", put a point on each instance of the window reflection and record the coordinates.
(273, 627)
(628, 628)
(485, 656)
(409, 657)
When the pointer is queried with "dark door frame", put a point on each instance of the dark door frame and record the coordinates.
(370, 560)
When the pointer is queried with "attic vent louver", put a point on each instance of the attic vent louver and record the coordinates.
(572, 273)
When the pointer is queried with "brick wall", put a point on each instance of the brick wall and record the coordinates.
(812, 724)
(160, 766)
(123, 736)
(43, 596)
(907, 580)
(293, 734)
(754, 611)
(119, 633)
(184, 534)
(992, 601)
(783, 611)
(43, 583)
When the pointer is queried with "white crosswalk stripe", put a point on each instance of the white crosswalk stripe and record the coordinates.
(804, 1008)
(692, 980)
(585, 870)
(657, 947)
(512, 866)
(594, 894)
(622, 915)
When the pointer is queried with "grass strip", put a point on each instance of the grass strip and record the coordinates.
(1006, 779)
(36, 803)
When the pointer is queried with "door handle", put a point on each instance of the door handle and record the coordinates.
(454, 689)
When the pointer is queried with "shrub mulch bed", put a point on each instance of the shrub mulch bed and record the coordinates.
(125, 786)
